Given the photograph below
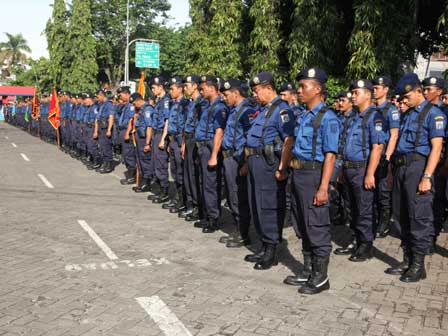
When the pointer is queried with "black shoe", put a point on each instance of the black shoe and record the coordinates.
(170, 205)
(269, 258)
(212, 226)
(178, 208)
(303, 276)
(130, 177)
(162, 198)
(143, 188)
(318, 281)
(349, 249)
(186, 212)
(402, 267)
(416, 271)
(200, 224)
(128, 181)
(153, 196)
(383, 227)
(255, 257)
(107, 168)
(192, 217)
(364, 252)
(238, 242)
(225, 239)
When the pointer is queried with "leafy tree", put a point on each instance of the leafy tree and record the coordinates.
(38, 75)
(84, 68)
(56, 32)
(12, 51)
(265, 37)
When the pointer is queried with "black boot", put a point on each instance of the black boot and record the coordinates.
(349, 249)
(416, 271)
(255, 257)
(364, 252)
(303, 276)
(212, 226)
(162, 198)
(318, 281)
(194, 216)
(269, 258)
(180, 201)
(131, 177)
(402, 267)
(126, 176)
(238, 241)
(383, 225)
(143, 187)
(173, 202)
(184, 213)
(200, 224)
(108, 167)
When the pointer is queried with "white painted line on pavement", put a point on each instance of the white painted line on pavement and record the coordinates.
(165, 319)
(24, 157)
(45, 181)
(13, 144)
(101, 244)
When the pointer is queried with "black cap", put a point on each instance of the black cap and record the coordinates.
(288, 86)
(135, 97)
(407, 83)
(263, 78)
(100, 91)
(209, 79)
(361, 84)
(67, 93)
(177, 80)
(87, 95)
(124, 89)
(193, 79)
(434, 81)
(158, 80)
(382, 80)
(313, 73)
(230, 84)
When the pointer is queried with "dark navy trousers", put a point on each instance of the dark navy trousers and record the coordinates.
(413, 211)
(144, 159)
(105, 145)
(128, 151)
(267, 199)
(237, 195)
(191, 172)
(361, 201)
(176, 164)
(313, 223)
(160, 161)
(210, 184)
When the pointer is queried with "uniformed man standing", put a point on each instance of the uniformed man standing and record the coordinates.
(176, 123)
(208, 135)
(189, 150)
(235, 167)
(127, 146)
(416, 157)
(315, 148)
(432, 91)
(365, 139)
(159, 122)
(103, 131)
(383, 199)
(91, 138)
(267, 154)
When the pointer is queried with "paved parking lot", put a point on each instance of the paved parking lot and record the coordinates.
(82, 255)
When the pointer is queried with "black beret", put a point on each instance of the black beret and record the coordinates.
(288, 86)
(382, 80)
(361, 84)
(434, 81)
(88, 95)
(313, 73)
(262, 78)
(231, 84)
(158, 80)
(124, 89)
(193, 79)
(209, 79)
(135, 97)
(407, 83)
(177, 80)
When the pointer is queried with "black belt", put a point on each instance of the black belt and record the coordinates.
(249, 151)
(156, 132)
(406, 159)
(354, 164)
(189, 135)
(306, 165)
(228, 153)
(200, 144)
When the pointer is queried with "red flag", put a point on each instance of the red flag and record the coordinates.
(141, 85)
(54, 115)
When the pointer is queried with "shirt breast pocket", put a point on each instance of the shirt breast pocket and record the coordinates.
(307, 137)
(411, 133)
(257, 130)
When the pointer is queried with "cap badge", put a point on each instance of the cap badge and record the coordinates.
(311, 73)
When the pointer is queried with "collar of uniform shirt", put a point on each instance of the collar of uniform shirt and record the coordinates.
(420, 107)
(316, 108)
(363, 113)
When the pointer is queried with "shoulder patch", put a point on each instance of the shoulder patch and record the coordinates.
(334, 127)
(439, 118)
(284, 116)
(440, 124)
(395, 115)
(378, 125)
(166, 104)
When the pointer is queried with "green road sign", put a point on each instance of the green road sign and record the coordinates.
(147, 55)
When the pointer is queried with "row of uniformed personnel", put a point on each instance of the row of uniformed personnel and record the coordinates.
(264, 143)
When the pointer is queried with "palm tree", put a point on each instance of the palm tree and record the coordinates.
(12, 50)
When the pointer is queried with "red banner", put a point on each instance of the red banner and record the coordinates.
(54, 114)
(35, 111)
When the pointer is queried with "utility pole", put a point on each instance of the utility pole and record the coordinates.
(126, 60)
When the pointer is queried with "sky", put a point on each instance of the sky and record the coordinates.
(29, 17)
